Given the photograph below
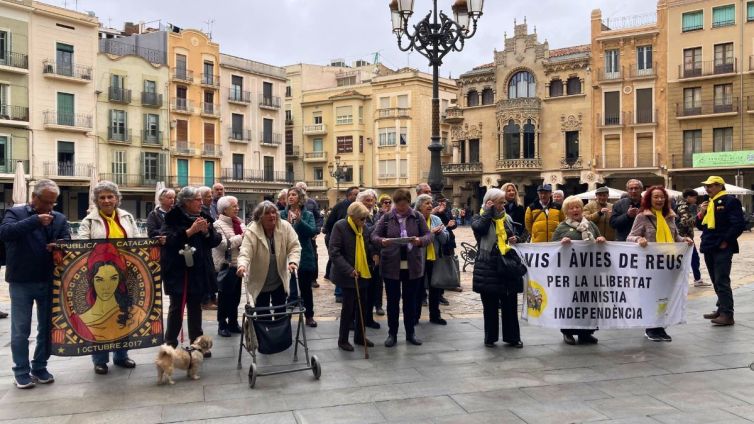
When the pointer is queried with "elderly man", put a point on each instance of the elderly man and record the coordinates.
(543, 216)
(313, 207)
(210, 299)
(599, 212)
(626, 209)
(721, 221)
(29, 233)
(558, 196)
(218, 191)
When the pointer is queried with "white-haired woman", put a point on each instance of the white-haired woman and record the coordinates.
(439, 234)
(495, 232)
(156, 218)
(576, 227)
(107, 221)
(225, 255)
(270, 252)
(368, 198)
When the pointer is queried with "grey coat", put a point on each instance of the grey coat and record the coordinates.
(342, 252)
(390, 256)
(645, 225)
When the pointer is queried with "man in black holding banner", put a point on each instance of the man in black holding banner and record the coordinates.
(721, 221)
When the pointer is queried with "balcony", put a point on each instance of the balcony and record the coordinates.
(707, 69)
(133, 180)
(210, 110)
(67, 169)
(645, 159)
(182, 148)
(727, 106)
(316, 184)
(8, 165)
(76, 122)
(151, 138)
(571, 163)
(643, 117)
(236, 95)
(119, 135)
(610, 120)
(182, 75)
(473, 168)
(211, 150)
(255, 176)
(14, 115)
(270, 139)
(210, 80)
(236, 135)
(269, 102)
(453, 115)
(609, 75)
(393, 112)
(119, 95)
(151, 99)
(519, 164)
(180, 105)
(288, 122)
(291, 152)
(316, 129)
(315, 157)
(179, 181)
(635, 73)
(15, 62)
(67, 71)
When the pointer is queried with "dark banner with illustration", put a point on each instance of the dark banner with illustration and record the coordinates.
(107, 295)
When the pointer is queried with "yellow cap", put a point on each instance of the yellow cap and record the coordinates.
(383, 196)
(714, 179)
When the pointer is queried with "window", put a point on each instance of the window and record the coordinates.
(386, 169)
(209, 173)
(556, 88)
(288, 116)
(117, 130)
(750, 11)
(723, 16)
(612, 108)
(209, 133)
(66, 152)
(66, 111)
(117, 82)
(384, 102)
(529, 140)
(119, 166)
(348, 173)
(386, 137)
(472, 98)
(511, 140)
(488, 97)
(573, 86)
(182, 167)
(722, 139)
(4, 48)
(644, 60)
(319, 174)
(181, 103)
(404, 168)
(361, 144)
(692, 62)
(180, 67)
(403, 101)
(521, 85)
(209, 102)
(236, 88)
(692, 101)
(152, 128)
(237, 166)
(289, 143)
(361, 114)
(343, 115)
(267, 136)
(153, 166)
(64, 59)
(317, 145)
(345, 144)
(692, 21)
(209, 73)
(404, 136)
(612, 63)
(288, 91)
(692, 143)
(267, 92)
(571, 147)
(5, 165)
(474, 151)
(644, 106)
(723, 98)
(724, 58)
(181, 131)
(236, 128)
(317, 118)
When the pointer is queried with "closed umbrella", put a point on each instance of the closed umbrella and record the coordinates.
(730, 189)
(92, 182)
(20, 194)
(590, 195)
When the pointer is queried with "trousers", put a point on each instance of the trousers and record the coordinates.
(175, 318)
(507, 305)
(403, 288)
(718, 265)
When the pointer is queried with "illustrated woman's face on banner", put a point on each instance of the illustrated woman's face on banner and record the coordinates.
(106, 281)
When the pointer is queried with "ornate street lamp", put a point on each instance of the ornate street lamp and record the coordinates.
(338, 173)
(434, 37)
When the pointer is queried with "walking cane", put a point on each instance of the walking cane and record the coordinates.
(361, 317)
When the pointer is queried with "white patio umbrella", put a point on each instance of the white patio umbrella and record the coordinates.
(672, 193)
(160, 185)
(613, 194)
(730, 189)
(20, 192)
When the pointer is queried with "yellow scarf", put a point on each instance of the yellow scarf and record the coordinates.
(361, 252)
(114, 229)
(709, 217)
(430, 247)
(502, 235)
(663, 230)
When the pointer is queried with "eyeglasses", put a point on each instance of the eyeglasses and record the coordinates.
(387, 202)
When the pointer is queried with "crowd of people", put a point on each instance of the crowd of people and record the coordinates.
(375, 243)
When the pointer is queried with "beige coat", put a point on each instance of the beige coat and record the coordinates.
(255, 255)
(232, 241)
(94, 227)
(602, 221)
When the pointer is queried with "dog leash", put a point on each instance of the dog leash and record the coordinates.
(183, 302)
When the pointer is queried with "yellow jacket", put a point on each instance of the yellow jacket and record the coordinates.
(541, 224)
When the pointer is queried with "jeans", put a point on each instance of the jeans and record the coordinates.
(405, 288)
(101, 358)
(718, 264)
(695, 264)
(22, 298)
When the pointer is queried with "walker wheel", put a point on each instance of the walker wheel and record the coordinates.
(316, 367)
(252, 375)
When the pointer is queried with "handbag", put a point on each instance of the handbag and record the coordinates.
(226, 277)
(445, 272)
(511, 265)
(273, 336)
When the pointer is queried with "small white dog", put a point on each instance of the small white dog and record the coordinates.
(190, 359)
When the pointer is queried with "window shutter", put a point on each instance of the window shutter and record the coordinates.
(161, 159)
(644, 150)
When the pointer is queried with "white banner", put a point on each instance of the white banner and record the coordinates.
(586, 285)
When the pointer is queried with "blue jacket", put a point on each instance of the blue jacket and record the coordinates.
(729, 224)
(26, 239)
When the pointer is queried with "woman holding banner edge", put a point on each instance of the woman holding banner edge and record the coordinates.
(655, 223)
(576, 227)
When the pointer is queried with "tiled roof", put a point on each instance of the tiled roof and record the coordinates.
(486, 65)
(570, 50)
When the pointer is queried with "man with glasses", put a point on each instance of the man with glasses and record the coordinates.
(30, 232)
(721, 221)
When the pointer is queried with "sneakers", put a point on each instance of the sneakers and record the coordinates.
(3, 314)
(657, 335)
(444, 301)
(24, 381)
(42, 376)
(379, 311)
(701, 283)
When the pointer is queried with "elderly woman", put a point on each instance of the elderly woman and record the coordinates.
(402, 263)
(368, 198)
(655, 223)
(187, 266)
(225, 255)
(156, 218)
(107, 221)
(495, 232)
(350, 266)
(270, 252)
(303, 222)
(439, 236)
(576, 227)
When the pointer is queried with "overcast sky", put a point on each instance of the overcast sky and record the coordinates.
(283, 32)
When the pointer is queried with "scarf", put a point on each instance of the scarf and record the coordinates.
(498, 235)
(236, 226)
(709, 217)
(663, 230)
(430, 247)
(582, 226)
(362, 266)
(112, 225)
(402, 222)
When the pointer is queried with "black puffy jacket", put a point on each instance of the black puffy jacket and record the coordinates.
(486, 277)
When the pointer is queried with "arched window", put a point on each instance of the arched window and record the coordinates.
(522, 84)
(472, 98)
(511, 140)
(529, 140)
(556, 88)
(574, 86)
(488, 97)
